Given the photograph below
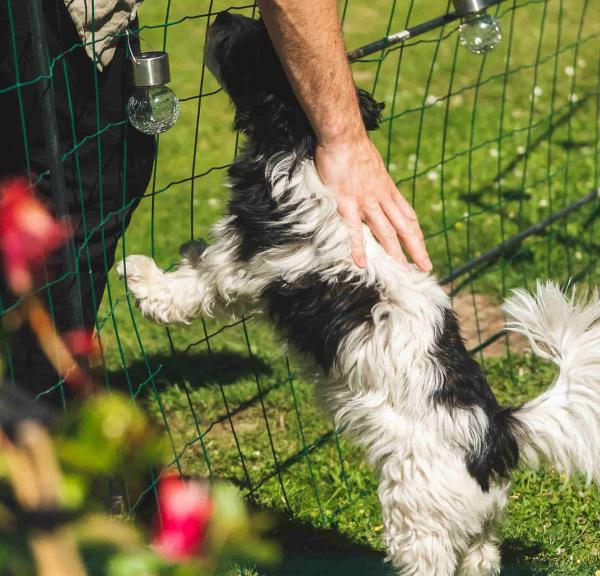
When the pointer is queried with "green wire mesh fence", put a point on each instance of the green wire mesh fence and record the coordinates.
(499, 154)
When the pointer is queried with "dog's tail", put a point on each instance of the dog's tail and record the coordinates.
(562, 425)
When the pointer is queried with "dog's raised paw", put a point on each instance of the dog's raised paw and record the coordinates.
(136, 267)
(152, 289)
(140, 273)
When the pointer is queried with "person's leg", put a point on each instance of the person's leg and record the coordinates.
(107, 165)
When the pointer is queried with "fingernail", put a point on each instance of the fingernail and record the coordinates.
(427, 265)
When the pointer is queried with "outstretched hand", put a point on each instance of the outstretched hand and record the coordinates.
(365, 192)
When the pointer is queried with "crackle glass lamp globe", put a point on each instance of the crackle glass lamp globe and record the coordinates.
(152, 107)
(479, 32)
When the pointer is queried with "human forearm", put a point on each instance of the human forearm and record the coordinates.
(308, 39)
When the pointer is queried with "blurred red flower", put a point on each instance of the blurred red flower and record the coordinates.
(28, 232)
(185, 508)
(82, 342)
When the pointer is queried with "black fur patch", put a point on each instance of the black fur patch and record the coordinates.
(465, 386)
(257, 217)
(316, 315)
(193, 251)
(273, 126)
(370, 109)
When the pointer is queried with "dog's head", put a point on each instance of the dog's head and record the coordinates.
(240, 54)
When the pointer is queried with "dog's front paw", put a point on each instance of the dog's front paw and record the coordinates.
(136, 267)
(140, 273)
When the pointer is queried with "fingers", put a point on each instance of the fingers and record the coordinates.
(404, 220)
(385, 232)
(357, 241)
(365, 192)
(392, 226)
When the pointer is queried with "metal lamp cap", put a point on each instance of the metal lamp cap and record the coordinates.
(151, 69)
(464, 7)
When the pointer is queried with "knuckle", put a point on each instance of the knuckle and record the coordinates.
(357, 242)
(391, 207)
(370, 205)
(412, 218)
(389, 233)
(410, 234)
(418, 256)
(399, 197)
(344, 208)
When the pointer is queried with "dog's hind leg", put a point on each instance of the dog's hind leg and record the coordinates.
(421, 554)
(421, 533)
(432, 508)
(482, 558)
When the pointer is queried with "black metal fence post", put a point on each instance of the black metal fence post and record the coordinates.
(52, 140)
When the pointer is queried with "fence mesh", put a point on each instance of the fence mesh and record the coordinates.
(499, 155)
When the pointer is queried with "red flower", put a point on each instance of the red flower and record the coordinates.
(185, 509)
(81, 342)
(27, 233)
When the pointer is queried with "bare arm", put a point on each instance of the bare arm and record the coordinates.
(308, 38)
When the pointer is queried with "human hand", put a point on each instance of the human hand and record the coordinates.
(365, 192)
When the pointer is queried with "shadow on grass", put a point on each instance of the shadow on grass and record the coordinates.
(311, 551)
(196, 370)
(514, 559)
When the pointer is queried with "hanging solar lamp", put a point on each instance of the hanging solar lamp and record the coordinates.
(479, 32)
(152, 107)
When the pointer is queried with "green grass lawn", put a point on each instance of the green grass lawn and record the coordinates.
(484, 147)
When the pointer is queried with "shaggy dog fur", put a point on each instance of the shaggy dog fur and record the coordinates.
(396, 374)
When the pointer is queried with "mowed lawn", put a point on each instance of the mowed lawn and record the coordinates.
(484, 148)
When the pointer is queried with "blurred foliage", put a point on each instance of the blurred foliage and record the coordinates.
(106, 437)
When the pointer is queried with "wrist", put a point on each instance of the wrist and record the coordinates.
(341, 128)
(344, 139)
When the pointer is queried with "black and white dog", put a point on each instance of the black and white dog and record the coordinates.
(396, 374)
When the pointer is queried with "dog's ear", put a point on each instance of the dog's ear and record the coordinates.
(370, 109)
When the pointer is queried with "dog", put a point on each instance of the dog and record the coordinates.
(395, 372)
